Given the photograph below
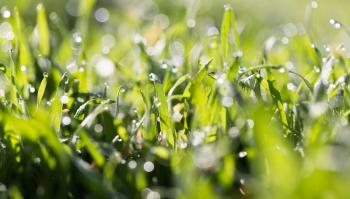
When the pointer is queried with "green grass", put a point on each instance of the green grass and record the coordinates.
(184, 104)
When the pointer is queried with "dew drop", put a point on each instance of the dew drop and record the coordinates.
(64, 99)
(291, 87)
(191, 23)
(281, 70)
(66, 120)
(101, 15)
(5, 12)
(153, 77)
(148, 166)
(132, 164)
(227, 101)
(335, 23)
(98, 128)
(314, 4)
(250, 123)
(233, 132)
(23, 68)
(242, 154)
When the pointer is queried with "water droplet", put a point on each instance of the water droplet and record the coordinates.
(317, 109)
(101, 15)
(241, 69)
(289, 65)
(227, 101)
(237, 53)
(317, 69)
(197, 137)
(153, 195)
(153, 77)
(2, 93)
(105, 67)
(132, 164)
(181, 143)
(291, 87)
(177, 116)
(285, 40)
(205, 158)
(191, 23)
(233, 132)
(281, 70)
(23, 68)
(213, 31)
(164, 65)
(6, 31)
(242, 154)
(66, 120)
(98, 128)
(148, 166)
(314, 4)
(77, 39)
(335, 23)
(250, 123)
(64, 99)
(5, 12)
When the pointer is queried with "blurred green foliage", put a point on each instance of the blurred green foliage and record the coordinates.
(174, 99)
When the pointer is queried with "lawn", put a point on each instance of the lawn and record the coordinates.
(174, 99)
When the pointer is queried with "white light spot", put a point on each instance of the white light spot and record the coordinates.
(242, 154)
(233, 132)
(98, 128)
(191, 23)
(132, 164)
(227, 101)
(148, 166)
(153, 195)
(102, 15)
(64, 99)
(213, 31)
(105, 67)
(291, 87)
(23, 68)
(317, 109)
(66, 120)
(314, 4)
(250, 123)
(5, 13)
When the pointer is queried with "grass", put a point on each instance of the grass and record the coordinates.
(156, 108)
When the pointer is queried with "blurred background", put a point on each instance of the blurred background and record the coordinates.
(258, 19)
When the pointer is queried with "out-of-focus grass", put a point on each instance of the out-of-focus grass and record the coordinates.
(174, 99)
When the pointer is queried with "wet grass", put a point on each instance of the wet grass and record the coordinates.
(163, 111)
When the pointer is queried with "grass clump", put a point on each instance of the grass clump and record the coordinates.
(102, 104)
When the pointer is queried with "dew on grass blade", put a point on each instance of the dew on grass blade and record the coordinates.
(98, 128)
(335, 23)
(291, 87)
(6, 31)
(191, 23)
(153, 77)
(227, 101)
(314, 4)
(5, 12)
(66, 120)
(64, 99)
(233, 132)
(242, 154)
